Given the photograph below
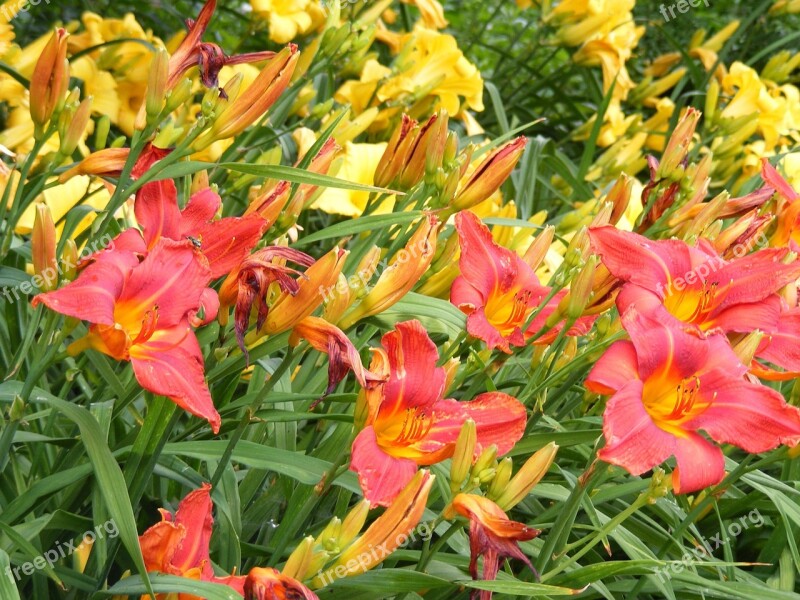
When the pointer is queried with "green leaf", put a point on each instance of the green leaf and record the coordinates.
(520, 588)
(170, 584)
(298, 466)
(435, 314)
(8, 590)
(108, 476)
(354, 226)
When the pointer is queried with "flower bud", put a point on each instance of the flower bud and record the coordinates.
(536, 252)
(501, 478)
(49, 80)
(74, 130)
(43, 248)
(353, 523)
(484, 461)
(69, 258)
(678, 146)
(396, 152)
(528, 476)
(463, 455)
(157, 83)
(581, 289)
(490, 174)
(400, 276)
(297, 564)
(747, 347)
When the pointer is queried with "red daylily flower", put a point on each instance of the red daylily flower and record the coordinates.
(667, 386)
(271, 584)
(224, 242)
(209, 57)
(491, 535)
(781, 347)
(410, 424)
(140, 311)
(498, 291)
(694, 285)
(178, 545)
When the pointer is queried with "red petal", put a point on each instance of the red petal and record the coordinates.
(201, 209)
(616, 368)
(381, 476)
(748, 415)
(700, 464)
(172, 277)
(226, 242)
(414, 380)
(632, 257)
(499, 419)
(194, 514)
(170, 363)
(774, 179)
(633, 441)
(93, 295)
(756, 276)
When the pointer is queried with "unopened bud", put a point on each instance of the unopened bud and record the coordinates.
(581, 289)
(69, 258)
(747, 347)
(49, 80)
(43, 248)
(297, 564)
(527, 477)
(157, 83)
(463, 455)
(73, 132)
(501, 478)
(490, 174)
(353, 523)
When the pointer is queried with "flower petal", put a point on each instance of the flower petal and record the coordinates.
(172, 277)
(170, 363)
(634, 258)
(381, 476)
(93, 295)
(616, 368)
(414, 380)
(633, 441)
(748, 415)
(700, 464)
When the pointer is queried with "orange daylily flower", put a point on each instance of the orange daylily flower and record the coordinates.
(693, 284)
(411, 424)
(491, 535)
(271, 584)
(178, 545)
(141, 311)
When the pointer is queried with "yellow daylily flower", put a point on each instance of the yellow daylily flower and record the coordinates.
(431, 11)
(64, 197)
(289, 18)
(357, 164)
